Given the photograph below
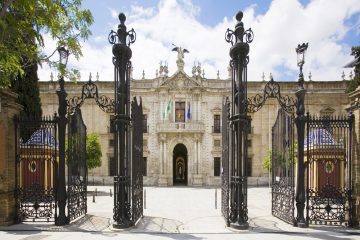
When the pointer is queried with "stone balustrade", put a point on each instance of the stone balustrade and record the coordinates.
(169, 127)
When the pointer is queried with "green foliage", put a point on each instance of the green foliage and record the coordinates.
(266, 163)
(23, 24)
(93, 151)
(27, 88)
(355, 82)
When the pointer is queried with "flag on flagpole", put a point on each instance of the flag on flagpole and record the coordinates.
(167, 109)
(188, 112)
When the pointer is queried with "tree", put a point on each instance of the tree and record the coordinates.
(93, 151)
(355, 82)
(23, 24)
(27, 88)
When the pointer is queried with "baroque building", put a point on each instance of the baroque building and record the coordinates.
(182, 122)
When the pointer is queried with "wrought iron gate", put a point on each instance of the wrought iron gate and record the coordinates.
(36, 170)
(282, 167)
(225, 186)
(328, 156)
(137, 163)
(77, 168)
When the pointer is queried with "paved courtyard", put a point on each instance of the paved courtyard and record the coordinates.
(176, 213)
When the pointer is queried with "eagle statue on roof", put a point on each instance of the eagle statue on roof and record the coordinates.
(180, 51)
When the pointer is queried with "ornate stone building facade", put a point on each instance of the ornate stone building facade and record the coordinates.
(182, 123)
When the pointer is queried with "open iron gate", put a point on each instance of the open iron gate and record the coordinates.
(225, 186)
(282, 167)
(77, 168)
(328, 155)
(36, 170)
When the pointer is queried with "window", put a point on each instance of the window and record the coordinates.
(112, 124)
(112, 167)
(249, 143)
(180, 112)
(216, 123)
(111, 142)
(216, 166)
(249, 167)
(145, 166)
(216, 143)
(145, 123)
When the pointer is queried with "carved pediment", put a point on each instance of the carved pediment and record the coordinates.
(180, 81)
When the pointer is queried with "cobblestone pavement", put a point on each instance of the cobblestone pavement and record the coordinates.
(176, 213)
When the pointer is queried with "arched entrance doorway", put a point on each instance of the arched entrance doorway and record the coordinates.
(180, 164)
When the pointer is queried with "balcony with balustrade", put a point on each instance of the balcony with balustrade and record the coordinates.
(180, 127)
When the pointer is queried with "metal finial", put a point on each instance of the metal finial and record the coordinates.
(97, 76)
(90, 77)
(343, 75)
(263, 77)
(310, 76)
(271, 77)
(51, 77)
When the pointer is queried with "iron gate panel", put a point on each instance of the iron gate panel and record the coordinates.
(225, 186)
(328, 156)
(77, 168)
(282, 166)
(137, 160)
(36, 170)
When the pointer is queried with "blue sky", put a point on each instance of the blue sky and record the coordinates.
(330, 26)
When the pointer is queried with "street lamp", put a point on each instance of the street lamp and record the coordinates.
(62, 121)
(300, 50)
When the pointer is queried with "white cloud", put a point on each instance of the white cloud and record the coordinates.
(277, 33)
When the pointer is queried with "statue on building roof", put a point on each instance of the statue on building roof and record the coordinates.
(180, 51)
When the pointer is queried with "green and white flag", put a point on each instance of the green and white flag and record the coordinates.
(167, 109)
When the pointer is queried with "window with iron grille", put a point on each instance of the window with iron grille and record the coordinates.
(216, 166)
(249, 167)
(179, 111)
(145, 123)
(112, 124)
(112, 170)
(111, 142)
(216, 123)
(217, 143)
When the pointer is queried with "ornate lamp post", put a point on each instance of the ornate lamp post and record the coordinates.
(61, 188)
(300, 125)
(121, 41)
(239, 122)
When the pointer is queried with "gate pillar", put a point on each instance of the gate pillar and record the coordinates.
(121, 41)
(8, 109)
(300, 125)
(239, 122)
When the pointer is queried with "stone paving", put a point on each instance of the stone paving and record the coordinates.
(177, 213)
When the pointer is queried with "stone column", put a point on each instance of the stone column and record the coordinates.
(163, 177)
(197, 181)
(8, 109)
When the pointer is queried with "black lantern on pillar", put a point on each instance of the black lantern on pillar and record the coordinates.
(301, 50)
(62, 121)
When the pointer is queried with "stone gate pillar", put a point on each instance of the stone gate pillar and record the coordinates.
(8, 109)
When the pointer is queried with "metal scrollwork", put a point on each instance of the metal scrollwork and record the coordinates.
(90, 90)
(132, 36)
(272, 90)
(229, 36)
(122, 36)
(248, 36)
(112, 37)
